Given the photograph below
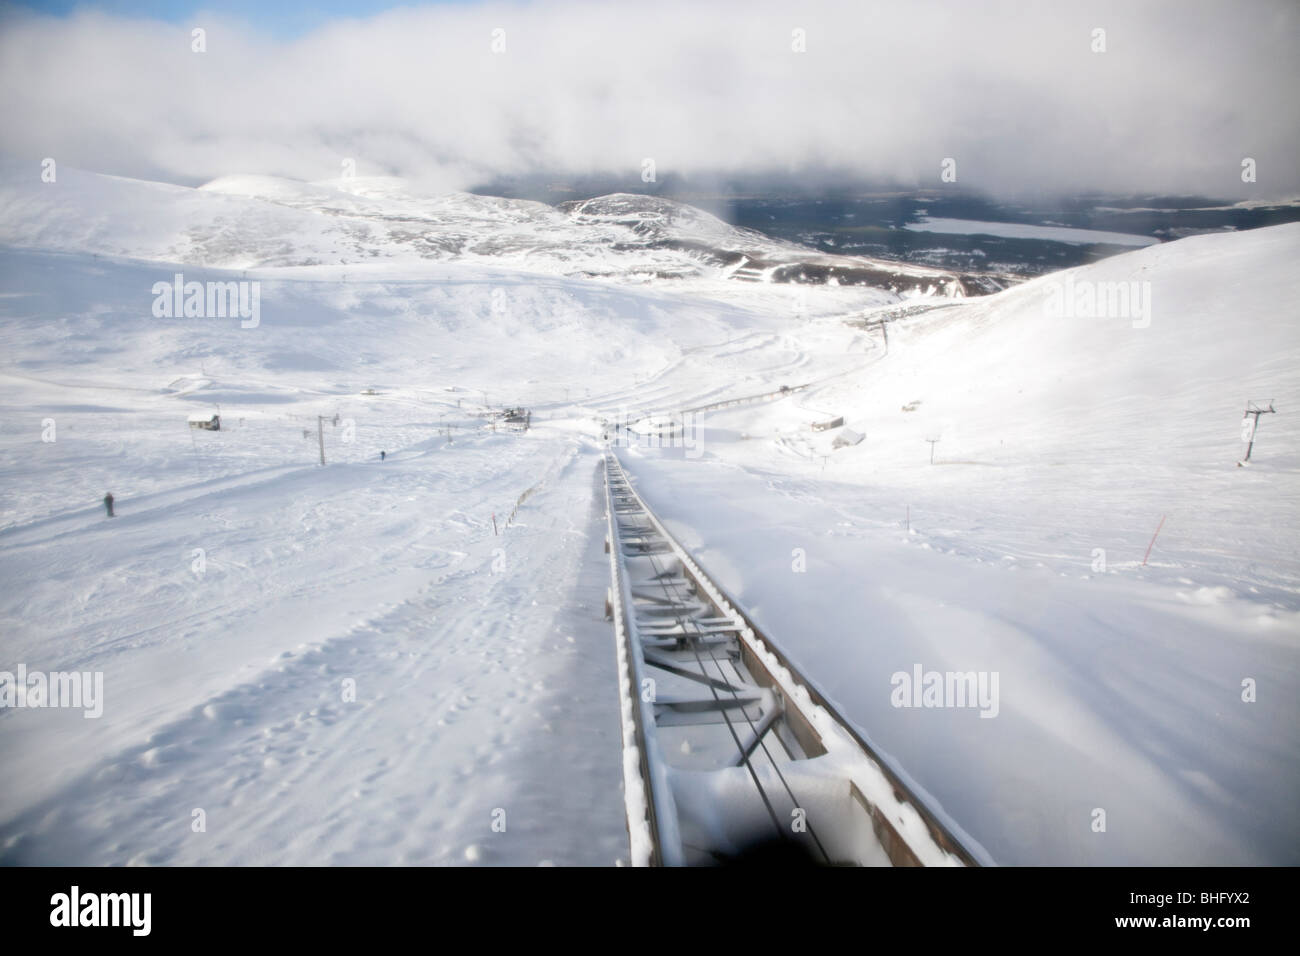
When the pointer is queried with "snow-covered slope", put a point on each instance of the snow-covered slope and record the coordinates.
(1164, 384)
(240, 584)
(1064, 443)
(1120, 418)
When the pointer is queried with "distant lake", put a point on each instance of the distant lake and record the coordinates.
(949, 230)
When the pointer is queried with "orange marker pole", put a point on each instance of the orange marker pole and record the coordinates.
(1153, 541)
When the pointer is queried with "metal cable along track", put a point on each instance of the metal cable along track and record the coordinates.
(725, 746)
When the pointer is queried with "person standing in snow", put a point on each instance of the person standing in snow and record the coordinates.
(383, 455)
(108, 503)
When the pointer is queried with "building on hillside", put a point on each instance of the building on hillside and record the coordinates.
(827, 426)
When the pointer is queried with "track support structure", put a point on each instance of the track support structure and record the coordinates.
(730, 754)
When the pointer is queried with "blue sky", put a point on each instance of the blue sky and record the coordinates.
(282, 19)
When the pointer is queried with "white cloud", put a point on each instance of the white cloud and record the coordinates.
(1012, 91)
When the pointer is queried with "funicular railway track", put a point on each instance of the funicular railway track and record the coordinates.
(726, 746)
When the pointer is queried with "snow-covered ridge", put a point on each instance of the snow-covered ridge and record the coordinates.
(244, 222)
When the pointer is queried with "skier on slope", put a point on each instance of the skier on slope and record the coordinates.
(108, 503)
(383, 455)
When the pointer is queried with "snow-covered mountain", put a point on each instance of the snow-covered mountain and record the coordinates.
(241, 584)
(243, 222)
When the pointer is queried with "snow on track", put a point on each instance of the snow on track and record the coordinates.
(1112, 694)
